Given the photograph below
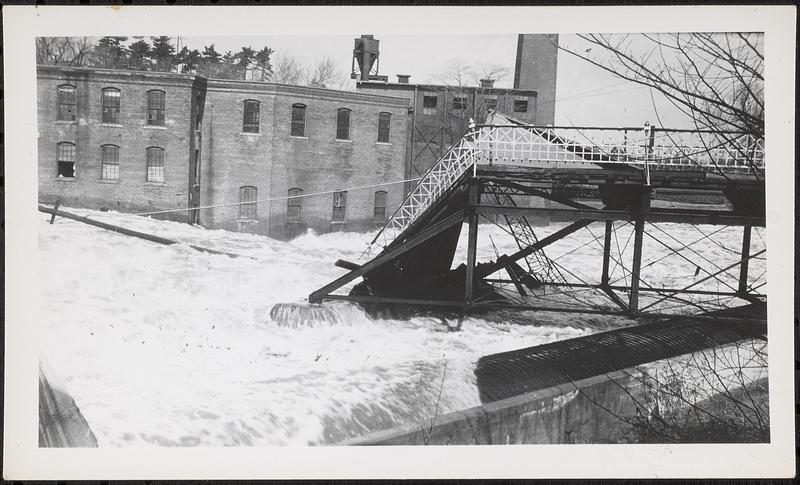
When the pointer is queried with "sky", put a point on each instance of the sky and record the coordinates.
(585, 94)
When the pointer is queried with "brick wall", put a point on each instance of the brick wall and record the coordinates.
(131, 192)
(209, 157)
(232, 158)
(435, 131)
(536, 66)
(320, 163)
(273, 161)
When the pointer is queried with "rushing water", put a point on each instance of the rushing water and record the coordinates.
(166, 345)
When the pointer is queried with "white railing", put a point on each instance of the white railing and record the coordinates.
(669, 149)
(458, 159)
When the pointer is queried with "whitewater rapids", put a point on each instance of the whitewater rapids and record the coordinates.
(169, 346)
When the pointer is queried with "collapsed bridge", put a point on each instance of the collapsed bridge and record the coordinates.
(510, 173)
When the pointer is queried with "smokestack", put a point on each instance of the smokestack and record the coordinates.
(487, 83)
(403, 78)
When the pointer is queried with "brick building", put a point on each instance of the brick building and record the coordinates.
(440, 114)
(146, 142)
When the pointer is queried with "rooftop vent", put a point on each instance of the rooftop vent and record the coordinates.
(403, 78)
(487, 83)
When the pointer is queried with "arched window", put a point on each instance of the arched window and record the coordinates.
(109, 165)
(252, 112)
(339, 206)
(65, 160)
(67, 103)
(111, 105)
(380, 206)
(294, 205)
(155, 164)
(156, 107)
(298, 119)
(384, 120)
(248, 208)
(343, 124)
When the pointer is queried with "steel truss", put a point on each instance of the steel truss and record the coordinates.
(496, 166)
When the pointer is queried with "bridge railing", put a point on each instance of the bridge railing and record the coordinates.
(458, 159)
(715, 151)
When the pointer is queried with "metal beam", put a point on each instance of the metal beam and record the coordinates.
(713, 275)
(745, 260)
(387, 256)
(504, 260)
(606, 252)
(540, 193)
(633, 305)
(655, 215)
(472, 242)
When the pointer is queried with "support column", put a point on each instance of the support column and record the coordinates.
(745, 260)
(639, 211)
(638, 238)
(472, 242)
(606, 252)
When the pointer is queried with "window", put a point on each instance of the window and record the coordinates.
(460, 101)
(111, 106)
(343, 124)
(298, 120)
(65, 156)
(294, 205)
(67, 103)
(248, 208)
(156, 102)
(252, 110)
(155, 164)
(384, 120)
(429, 104)
(339, 206)
(491, 103)
(380, 206)
(520, 106)
(109, 167)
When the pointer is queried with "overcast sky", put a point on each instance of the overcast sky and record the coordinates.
(585, 96)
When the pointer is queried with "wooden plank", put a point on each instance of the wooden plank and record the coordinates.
(130, 232)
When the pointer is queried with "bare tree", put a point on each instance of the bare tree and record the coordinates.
(488, 70)
(717, 79)
(324, 74)
(64, 51)
(713, 396)
(287, 69)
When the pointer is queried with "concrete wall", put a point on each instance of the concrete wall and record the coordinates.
(131, 192)
(556, 415)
